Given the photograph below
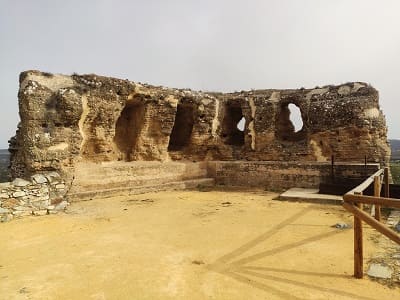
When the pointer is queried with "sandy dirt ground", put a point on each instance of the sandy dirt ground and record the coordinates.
(185, 245)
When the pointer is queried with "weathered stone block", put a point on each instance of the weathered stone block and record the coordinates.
(52, 176)
(4, 196)
(60, 186)
(4, 210)
(9, 203)
(19, 194)
(4, 185)
(22, 213)
(22, 208)
(380, 271)
(19, 182)
(61, 206)
(39, 178)
(40, 212)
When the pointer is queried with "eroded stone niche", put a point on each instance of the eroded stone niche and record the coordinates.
(231, 134)
(285, 129)
(128, 128)
(67, 120)
(183, 127)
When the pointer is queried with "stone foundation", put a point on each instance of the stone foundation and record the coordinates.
(278, 176)
(48, 193)
(96, 132)
(66, 120)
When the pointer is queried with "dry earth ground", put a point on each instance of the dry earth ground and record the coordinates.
(185, 245)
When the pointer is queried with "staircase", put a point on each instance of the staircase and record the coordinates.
(126, 178)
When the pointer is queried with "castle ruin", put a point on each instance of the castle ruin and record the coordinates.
(103, 135)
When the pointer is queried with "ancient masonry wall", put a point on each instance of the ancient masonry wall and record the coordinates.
(278, 176)
(43, 194)
(67, 120)
(70, 122)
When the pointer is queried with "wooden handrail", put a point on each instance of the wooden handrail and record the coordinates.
(366, 183)
(387, 202)
(372, 222)
(353, 201)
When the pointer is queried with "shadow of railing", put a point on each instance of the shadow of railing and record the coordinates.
(235, 265)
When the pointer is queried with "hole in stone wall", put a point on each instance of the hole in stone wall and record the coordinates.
(295, 117)
(289, 123)
(128, 128)
(182, 129)
(233, 125)
(241, 124)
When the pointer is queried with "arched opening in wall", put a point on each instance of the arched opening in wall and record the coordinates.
(295, 117)
(182, 129)
(241, 124)
(128, 127)
(233, 125)
(289, 123)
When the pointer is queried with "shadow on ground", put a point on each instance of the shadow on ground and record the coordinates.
(241, 269)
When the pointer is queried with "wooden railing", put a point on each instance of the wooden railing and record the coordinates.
(353, 202)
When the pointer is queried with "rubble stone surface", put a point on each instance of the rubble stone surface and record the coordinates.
(69, 119)
(83, 133)
(25, 198)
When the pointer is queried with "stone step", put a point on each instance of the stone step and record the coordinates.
(309, 195)
(101, 174)
(137, 171)
(115, 182)
(139, 167)
(132, 190)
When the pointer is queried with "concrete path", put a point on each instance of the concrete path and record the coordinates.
(309, 195)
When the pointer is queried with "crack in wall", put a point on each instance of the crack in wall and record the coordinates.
(81, 122)
(251, 124)
(215, 122)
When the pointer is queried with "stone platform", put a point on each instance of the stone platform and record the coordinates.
(121, 178)
(92, 180)
(310, 195)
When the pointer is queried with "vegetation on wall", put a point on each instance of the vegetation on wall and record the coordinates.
(4, 162)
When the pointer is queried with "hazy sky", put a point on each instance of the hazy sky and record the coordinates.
(206, 45)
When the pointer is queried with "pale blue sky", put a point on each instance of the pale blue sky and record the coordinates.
(207, 45)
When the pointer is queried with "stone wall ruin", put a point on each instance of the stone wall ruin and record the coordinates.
(69, 122)
(69, 119)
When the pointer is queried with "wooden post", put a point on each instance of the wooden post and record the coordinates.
(358, 245)
(377, 193)
(386, 181)
(333, 168)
